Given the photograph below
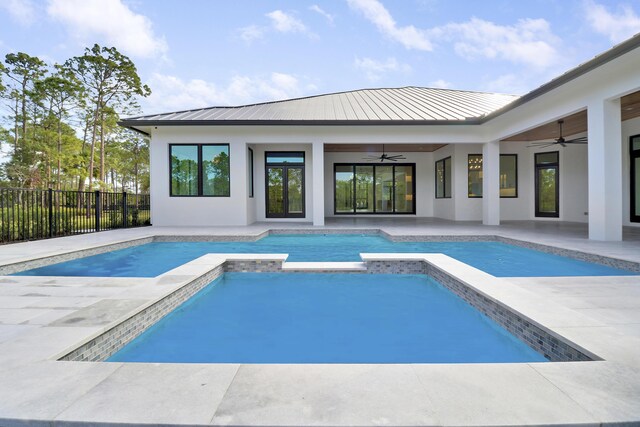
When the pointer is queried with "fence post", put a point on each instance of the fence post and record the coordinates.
(125, 213)
(98, 209)
(50, 205)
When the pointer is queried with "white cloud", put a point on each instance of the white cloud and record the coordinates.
(616, 26)
(441, 84)
(374, 70)
(286, 23)
(110, 20)
(508, 83)
(410, 37)
(20, 10)
(319, 10)
(251, 33)
(280, 22)
(171, 93)
(530, 41)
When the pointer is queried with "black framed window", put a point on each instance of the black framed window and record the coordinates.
(547, 179)
(250, 167)
(374, 189)
(443, 178)
(634, 147)
(508, 175)
(474, 174)
(198, 170)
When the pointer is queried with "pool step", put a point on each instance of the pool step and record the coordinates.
(324, 266)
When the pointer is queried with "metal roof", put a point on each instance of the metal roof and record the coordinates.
(407, 105)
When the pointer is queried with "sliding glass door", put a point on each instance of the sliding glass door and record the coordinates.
(374, 189)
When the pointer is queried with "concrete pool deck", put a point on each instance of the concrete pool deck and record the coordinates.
(41, 318)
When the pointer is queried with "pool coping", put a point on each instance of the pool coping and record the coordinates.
(552, 393)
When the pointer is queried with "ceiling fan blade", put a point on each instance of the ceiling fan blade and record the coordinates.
(581, 140)
(396, 156)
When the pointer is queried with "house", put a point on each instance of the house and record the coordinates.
(411, 151)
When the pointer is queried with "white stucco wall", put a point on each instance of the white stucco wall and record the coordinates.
(196, 211)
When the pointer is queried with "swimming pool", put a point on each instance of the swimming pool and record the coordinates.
(325, 318)
(496, 258)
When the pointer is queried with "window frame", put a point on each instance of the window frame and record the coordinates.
(515, 156)
(633, 154)
(469, 174)
(536, 166)
(200, 171)
(444, 178)
(251, 173)
(285, 170)
(393, 197)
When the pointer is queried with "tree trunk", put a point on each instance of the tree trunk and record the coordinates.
(24, 109)
(135, 176)
(15, 131)
(102, 145)
(93, 143)
(59, 154)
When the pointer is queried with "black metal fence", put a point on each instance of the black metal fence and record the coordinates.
(27, 214)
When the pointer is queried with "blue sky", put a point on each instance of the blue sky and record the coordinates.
(201, 53)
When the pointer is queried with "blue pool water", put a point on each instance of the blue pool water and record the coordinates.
(498, 259)
(326, 318)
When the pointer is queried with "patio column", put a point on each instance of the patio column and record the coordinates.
(604, 168)
(491, 183)
(318, 183)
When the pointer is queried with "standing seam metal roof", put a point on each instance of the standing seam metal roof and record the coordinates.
(365, 105)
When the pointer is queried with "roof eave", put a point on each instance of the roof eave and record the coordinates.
(132, 124)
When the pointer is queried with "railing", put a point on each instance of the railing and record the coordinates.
(27, 214)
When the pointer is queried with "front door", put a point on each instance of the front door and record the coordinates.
(285, 184)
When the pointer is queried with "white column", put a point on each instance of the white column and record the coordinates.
(318, 183)
(605, 166)
(491, 183)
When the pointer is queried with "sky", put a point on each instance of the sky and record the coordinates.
(200, 53)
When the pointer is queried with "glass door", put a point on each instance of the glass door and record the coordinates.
(275, 192)
(634, 143)
(547, 173)
(285, 185)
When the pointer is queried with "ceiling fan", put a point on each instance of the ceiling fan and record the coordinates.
(560, 140)
(384, 156)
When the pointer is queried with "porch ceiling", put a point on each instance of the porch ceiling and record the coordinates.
(577, 123)
(377, 148)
